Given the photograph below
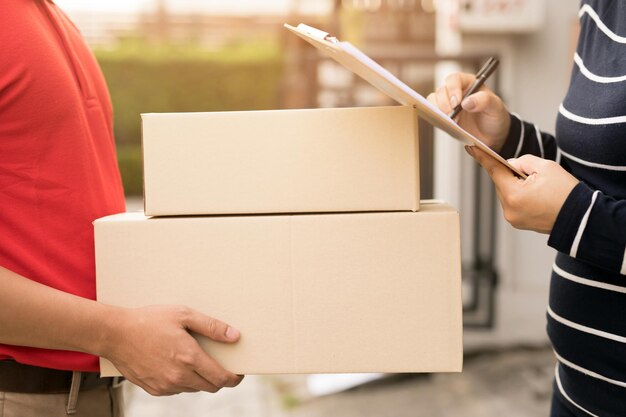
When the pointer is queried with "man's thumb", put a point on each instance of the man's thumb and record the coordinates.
(211, 328)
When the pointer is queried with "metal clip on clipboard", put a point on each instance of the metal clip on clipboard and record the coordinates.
(356, 61)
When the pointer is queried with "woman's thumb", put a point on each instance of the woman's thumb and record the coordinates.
(478, 102)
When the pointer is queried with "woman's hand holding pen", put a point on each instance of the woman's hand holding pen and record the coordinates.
(484, 114)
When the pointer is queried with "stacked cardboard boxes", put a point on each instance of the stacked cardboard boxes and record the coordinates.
(302, 229)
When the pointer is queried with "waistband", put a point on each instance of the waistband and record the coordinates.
(28, 379)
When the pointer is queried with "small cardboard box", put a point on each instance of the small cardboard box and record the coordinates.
(281, 161)
(324, 293)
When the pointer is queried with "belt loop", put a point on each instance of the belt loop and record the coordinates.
(117, 382)
(74, 389)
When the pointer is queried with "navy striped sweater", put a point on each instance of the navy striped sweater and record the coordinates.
(587, 303)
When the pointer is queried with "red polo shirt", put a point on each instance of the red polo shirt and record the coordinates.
(58, 168)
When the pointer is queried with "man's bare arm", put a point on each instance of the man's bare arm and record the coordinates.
(151, 346)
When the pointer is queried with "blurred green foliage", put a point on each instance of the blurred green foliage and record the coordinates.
(146, 78)
(130, 160)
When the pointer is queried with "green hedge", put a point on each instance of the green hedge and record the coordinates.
(130, 161)
(183, 80)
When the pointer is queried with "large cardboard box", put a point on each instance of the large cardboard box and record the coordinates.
(281, 161)
(325, 293)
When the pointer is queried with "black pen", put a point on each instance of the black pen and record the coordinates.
(482, 75)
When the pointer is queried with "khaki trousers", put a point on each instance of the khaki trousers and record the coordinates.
(97, 402)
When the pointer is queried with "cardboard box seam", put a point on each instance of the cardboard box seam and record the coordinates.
(143, 164)
(417, 165)
(292, 280)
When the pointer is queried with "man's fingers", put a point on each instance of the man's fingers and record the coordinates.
(189, 381)
(213, 372)
(204, 366)
(199, 383)
(210, 327)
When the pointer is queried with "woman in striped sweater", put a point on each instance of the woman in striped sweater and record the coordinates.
(575, 192)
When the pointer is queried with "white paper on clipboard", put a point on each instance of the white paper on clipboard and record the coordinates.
(356, 61)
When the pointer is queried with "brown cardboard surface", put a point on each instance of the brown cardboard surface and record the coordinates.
(364, 292)
(281, 161)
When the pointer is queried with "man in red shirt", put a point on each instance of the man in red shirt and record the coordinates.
(58, 173)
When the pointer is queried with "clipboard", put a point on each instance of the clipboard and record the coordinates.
(356, 61)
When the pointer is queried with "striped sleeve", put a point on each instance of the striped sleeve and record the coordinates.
(526, 138)
(591, 227)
